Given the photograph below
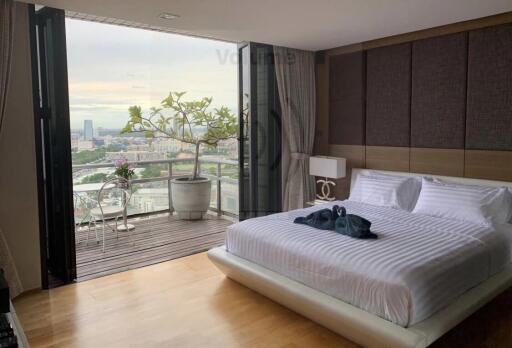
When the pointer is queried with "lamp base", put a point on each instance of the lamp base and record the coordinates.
(326, 189)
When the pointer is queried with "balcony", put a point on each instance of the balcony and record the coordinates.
(158, 236)
(153, 194)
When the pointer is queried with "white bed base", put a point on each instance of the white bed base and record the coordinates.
(349, 321)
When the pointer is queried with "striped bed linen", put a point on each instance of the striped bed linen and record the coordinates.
(385, 190)
(463, 202)
(418, 265)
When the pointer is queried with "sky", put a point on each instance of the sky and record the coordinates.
(112, 67)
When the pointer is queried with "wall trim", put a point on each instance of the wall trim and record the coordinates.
(472, 24)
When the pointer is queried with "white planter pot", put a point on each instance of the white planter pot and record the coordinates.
(191, 199)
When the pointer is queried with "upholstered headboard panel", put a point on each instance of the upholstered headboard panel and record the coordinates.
(489, 102)
(440, 105)
(388, 95)
(346, 99)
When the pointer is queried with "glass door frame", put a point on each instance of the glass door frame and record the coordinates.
(260, 140)
(53, 146)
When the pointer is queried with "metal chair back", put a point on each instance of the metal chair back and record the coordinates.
(118, 192)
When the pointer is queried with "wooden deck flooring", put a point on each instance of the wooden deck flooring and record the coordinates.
(154, 240)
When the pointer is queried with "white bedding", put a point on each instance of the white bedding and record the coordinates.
(418, 265)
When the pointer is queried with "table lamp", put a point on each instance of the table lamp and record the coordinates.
(329, 168)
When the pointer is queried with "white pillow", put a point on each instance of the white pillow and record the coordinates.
(477, 204)
(501, 208)
(397, 192)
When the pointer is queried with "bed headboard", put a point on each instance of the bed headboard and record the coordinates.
(446, 109)
(454, 179)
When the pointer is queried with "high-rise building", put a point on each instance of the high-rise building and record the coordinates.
(88, 130)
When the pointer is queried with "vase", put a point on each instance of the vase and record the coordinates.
(124, 184)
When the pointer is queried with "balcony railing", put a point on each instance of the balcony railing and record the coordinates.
(221, 172)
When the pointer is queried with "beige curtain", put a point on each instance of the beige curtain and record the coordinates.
(6, 44)
(295, 71)
(10, 271)
(6, 52)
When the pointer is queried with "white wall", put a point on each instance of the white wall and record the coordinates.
(18, 185)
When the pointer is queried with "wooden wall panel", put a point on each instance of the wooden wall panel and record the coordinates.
(346, 99)
(388, 95)
(449, 162)
(493, 165)
(489, 102)
(355, 155)
(387, 158)
(438, 104)
(453, 28)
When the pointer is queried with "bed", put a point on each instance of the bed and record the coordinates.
(405, 289)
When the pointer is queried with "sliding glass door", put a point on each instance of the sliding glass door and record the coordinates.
(260, 132)
(54, 150)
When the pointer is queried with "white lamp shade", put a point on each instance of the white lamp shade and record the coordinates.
(328, 167)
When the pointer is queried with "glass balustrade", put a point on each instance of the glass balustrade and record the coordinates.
(151, 184)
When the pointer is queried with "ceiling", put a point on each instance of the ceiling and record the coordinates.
(304, 24)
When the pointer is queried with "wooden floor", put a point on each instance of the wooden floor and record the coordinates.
(187, 302)
(154, 240)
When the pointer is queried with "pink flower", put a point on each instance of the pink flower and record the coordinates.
(119, 162)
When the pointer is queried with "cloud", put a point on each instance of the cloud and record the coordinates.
(111, 68)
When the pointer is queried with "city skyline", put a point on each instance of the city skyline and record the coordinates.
(111, 68)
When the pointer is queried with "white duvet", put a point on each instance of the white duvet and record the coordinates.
(418, 265)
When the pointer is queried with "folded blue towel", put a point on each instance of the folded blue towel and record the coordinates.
(353, 225)
(337, 219)
(322, 219)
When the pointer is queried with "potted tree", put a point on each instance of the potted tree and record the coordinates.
(191, 122)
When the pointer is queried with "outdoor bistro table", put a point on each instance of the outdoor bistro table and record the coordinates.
(95, 187)
(88, 188)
